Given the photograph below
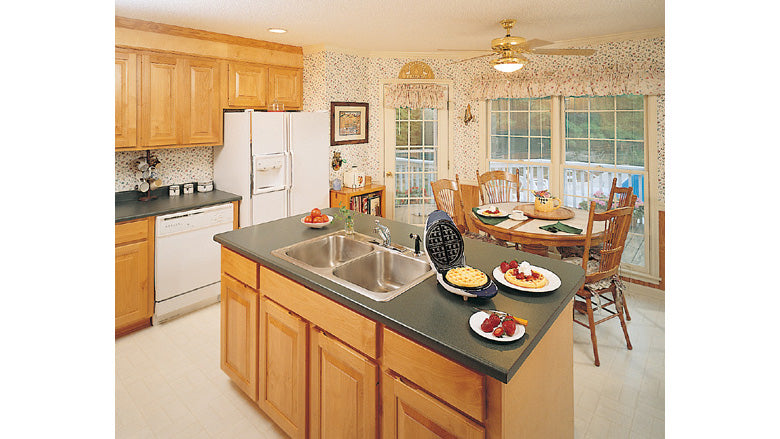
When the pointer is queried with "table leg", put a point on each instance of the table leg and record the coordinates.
(535, 249)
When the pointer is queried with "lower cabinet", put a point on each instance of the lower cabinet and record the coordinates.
(238, 334)
(410, 413)
(133, 275)
(343, 390)
(282, 374)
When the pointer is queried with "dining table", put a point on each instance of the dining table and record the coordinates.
(526, 230)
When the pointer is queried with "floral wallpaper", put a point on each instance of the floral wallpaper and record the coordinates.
(177, 166)
(333, 76)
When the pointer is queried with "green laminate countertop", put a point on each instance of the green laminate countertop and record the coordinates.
(127, 207)
(427, 313)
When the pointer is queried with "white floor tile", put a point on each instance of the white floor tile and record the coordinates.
(169, 384)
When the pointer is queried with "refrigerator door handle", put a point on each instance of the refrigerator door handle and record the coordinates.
(290, 171)
(252, 174)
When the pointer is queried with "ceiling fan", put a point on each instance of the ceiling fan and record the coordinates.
(510, 50)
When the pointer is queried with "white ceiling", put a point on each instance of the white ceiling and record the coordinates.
(402, 25)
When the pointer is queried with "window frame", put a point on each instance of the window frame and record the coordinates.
(651, 271)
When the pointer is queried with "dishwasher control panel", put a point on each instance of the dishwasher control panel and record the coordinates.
(193, 219)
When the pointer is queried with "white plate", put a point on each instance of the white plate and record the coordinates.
(500, 214)
(476, 321)
(517, 216)
(553, 281)
(317, 225)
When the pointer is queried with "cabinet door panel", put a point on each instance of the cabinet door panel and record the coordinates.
(247, 85)
(410, 413)
(238, 334)
(204, 118)
(286, 86)
(282, 377)
(126, 99)
(131, 289)
(161, 100)
(342, 397)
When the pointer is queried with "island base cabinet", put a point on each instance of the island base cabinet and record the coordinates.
(343, 391)
(410, 413)
(282, 377)
(238, 333)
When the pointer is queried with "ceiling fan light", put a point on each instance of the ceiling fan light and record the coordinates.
(509, 64)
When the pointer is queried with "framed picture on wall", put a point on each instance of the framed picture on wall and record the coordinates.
(348, 122)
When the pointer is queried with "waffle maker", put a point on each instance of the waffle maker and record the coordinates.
(444, 247)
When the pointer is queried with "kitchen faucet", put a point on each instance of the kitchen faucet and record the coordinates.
(383, 233)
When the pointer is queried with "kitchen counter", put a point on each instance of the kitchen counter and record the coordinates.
(127, 207)
(427, 313)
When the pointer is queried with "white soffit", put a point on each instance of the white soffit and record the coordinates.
(377, 27)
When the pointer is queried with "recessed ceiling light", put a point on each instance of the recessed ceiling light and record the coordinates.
(277, 30)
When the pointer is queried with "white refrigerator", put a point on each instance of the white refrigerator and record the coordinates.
(277, 162)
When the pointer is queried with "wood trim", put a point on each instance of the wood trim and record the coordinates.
(120, 332)
(169, 29)
(236, 205)
(661, 256)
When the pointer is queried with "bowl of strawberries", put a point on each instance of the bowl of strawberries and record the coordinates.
(316, 219)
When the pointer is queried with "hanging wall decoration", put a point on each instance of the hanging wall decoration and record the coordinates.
(348, 123)
(415, 70)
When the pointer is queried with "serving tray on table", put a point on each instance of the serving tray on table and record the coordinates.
(560, 213)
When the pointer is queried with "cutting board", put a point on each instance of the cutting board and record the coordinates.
(560, 213)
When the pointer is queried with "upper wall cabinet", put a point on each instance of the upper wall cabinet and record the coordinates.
(125, 96)
(203, 115)
(162, 96)
(247, 85)
(286, 87)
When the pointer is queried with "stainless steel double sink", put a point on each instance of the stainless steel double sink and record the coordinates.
(358, 262)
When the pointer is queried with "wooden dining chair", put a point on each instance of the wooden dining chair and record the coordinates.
(619, 196)
(601, 277)
(499, 186)
(446, 193)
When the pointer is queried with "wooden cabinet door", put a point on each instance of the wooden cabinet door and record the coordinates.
(410, 413)
(125, 99)
(286, 87)
(282, 374)
(343, 389)
(247, 85)
(238, 334)
(131, 293)
(161, 83)
(203, 117)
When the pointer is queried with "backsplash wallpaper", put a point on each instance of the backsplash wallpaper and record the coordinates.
(334, 76)
(177, 166)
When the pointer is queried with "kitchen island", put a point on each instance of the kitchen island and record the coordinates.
(322, 360)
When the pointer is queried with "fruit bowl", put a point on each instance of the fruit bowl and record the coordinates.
(318, 225)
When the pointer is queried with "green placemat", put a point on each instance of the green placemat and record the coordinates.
(486, 219)
(561, 227)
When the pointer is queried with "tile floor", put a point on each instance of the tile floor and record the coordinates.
(169, 384)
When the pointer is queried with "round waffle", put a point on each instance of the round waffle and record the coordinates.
(516, 277)
(466, 277)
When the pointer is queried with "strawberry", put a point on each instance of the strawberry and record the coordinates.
(487, 326)
(498, 332)
(509, 326)
(504, 267)
(513, 264)
(495, 320)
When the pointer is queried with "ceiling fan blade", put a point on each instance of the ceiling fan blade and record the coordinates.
(464, 50)
(580, 52)
(530, 44)
(469, 59)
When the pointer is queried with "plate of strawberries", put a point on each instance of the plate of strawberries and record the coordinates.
(497, 326)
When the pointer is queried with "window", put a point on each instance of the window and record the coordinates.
(520, 139)
(416, 163)
(601, 137)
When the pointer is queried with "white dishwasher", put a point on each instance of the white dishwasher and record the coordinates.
(187, 260)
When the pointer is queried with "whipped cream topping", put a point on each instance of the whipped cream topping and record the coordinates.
(524, 268)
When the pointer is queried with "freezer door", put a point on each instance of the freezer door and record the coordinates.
(309, 146)
(268, 133)
(269, 206)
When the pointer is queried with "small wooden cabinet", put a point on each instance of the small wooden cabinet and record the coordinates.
(126, 99)
(203, 116)
(282, 367)
(352, 198)
(343, 390)
(247, 85)
(285, 87)
(134, 275)
(161, 100)
(238, 334)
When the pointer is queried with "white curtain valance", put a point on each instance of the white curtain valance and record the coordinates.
(639, 79)
(415, 96)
